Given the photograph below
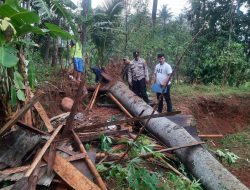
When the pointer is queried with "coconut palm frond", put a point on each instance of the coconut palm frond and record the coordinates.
(43, 8)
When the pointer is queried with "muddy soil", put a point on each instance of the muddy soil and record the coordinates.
(226, 116)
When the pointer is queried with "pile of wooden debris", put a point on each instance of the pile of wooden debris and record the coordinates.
(67, 153)
(56, 157)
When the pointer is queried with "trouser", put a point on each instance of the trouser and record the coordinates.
(168, 100)
(140, 89)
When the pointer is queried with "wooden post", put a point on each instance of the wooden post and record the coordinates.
(94, 96)
(78, 97)
(92, 100)
(119, 104)
(89, 162)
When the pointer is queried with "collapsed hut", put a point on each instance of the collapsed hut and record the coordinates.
(55, 155)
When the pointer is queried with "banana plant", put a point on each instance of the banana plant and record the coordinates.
(15, 24)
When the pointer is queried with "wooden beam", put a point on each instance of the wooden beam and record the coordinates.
(25, 108)
(89, 162)
(25, 168)
(99, 125)
(119, 105)
(94, 97)
(210, 135)
(33, 129)
(43, 150)
(71, 175)
(41, 111)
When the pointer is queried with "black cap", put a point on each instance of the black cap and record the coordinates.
(136, 53)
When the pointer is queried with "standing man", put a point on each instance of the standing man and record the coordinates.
(162, 72)
(76, 55)
(138, 76)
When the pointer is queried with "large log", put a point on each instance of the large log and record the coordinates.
(197, 159)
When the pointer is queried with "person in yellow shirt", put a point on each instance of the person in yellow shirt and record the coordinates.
(76, 55)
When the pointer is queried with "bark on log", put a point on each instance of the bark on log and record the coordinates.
(197, 159)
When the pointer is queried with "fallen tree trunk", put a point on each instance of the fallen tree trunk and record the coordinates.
(197, 159)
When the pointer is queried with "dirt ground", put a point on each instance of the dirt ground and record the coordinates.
(225, 115)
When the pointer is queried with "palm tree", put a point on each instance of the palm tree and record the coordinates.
(165, 14)
(105, 26)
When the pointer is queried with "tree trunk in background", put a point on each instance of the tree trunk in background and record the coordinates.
(212, 174)
(22, 69)
(47, 49)
(154, 11)
(86, 7)
(54, 53)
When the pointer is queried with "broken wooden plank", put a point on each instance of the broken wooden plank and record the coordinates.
(43, 150)
(25, 108)
(62, 116)
(41, 111)
(33, 129)
(34, 177)
(210, 135)
(94, 97)
(71, 175)
(119, 105)
(10, 171)
(99, 125)
(89, 162)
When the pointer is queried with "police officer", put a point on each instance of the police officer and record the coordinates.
(138, 76)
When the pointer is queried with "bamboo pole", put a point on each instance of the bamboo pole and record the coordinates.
(210, 135)
(171, 149)
(89, 162)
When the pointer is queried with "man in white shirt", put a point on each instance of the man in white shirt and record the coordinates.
(162, 72)
(138, 76)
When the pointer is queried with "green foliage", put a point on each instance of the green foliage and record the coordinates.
(141, 146)
(237, 139)
(193, 91)
(8, 57)
(105, 28)
(32, 76)
(140, 178)
(57, 31)
(220, 65)
(105, 143)
(18, 82)
(221, 54)
(229, 157)
(175, 182)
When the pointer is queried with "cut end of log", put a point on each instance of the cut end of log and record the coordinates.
(67, 104)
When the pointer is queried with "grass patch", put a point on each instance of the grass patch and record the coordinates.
(239, 144)
(237, 140)
(187, 90)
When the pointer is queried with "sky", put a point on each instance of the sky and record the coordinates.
(175, 6)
